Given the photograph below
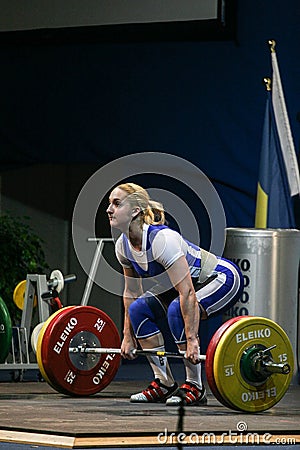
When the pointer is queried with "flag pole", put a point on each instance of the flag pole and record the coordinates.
(261, 210)
(268, 83)
(272, 45)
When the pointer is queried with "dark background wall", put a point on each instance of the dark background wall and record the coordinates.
(203, 100)
(69, 106)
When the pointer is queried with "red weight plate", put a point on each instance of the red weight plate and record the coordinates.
(39, 348)
(209, 362)
(80, 374)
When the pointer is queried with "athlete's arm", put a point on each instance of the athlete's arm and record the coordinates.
(132, 290)
(180, 277)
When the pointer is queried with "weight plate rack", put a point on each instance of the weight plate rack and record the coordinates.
(16, 352)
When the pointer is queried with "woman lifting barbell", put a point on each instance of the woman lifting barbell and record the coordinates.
(192, 285)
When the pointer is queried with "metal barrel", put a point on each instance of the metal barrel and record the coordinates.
(269, 260)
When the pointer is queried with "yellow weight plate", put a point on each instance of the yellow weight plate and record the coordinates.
(230, 370)
(39, 347)
(19, 295)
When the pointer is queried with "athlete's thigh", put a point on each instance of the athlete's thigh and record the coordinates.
(223, 291)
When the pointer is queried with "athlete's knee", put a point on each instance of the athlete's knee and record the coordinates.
(135, 308)
(174, 311)
(142, 319)
(176, 322)
(138, 311)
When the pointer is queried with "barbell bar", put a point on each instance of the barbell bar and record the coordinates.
(135, 352)
(260, 364)
(248, 363)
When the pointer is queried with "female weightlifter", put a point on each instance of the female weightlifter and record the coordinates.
(191, 285)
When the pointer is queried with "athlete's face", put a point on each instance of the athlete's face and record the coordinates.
(120, 211)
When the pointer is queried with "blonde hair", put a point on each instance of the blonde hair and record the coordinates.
(152, 212)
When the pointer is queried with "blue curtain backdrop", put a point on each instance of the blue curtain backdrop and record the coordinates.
(204, 101)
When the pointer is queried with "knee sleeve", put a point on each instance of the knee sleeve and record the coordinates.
(144, 315)
(176, 322)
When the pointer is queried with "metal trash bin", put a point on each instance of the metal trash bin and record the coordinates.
(269, 260)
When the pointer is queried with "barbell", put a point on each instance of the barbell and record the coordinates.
(248, 363)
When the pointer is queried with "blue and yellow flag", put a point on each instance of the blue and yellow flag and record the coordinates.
(278, 173)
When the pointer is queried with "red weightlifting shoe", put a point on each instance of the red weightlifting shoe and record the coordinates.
(189, 395)
(156, 392)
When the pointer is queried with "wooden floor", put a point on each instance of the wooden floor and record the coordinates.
(33, 413)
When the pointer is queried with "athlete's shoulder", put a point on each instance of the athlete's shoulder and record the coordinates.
(120, 251)
(119, 241)
(161, 229)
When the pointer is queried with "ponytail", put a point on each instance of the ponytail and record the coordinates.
(158, 213)
(152, 212)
